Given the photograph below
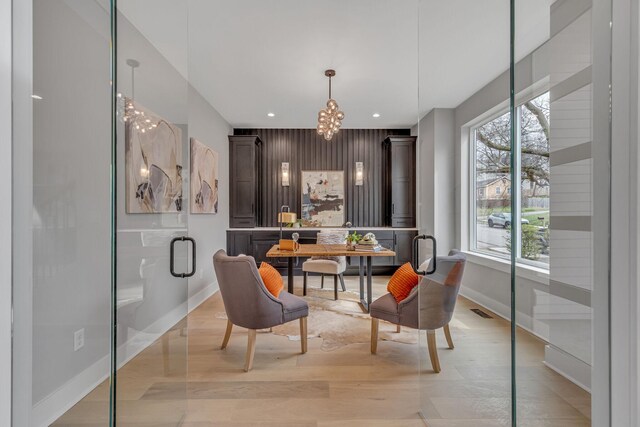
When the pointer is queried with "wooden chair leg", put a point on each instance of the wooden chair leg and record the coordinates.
(335, 286)
(227, 335)
(447, 335)
(303, 334)
(322, 281)
(344, 289)
(304, 283)
(251, 349)
(375, 324)
(433, 351)
(398, 329)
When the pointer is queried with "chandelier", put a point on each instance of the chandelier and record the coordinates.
(330, 118)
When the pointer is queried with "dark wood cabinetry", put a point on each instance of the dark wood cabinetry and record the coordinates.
(245, 167)
(257, 242)
(239, 242)
(403, 244)
(401, 180)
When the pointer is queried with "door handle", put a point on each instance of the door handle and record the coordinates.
(415, 254)
(172, 256)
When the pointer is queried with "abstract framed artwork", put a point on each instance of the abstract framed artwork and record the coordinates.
(322, 198)
(153, 162)
(204, 178)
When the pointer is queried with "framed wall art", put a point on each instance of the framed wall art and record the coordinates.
(322, 198)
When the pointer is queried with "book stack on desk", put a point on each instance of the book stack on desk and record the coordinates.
(371, 248)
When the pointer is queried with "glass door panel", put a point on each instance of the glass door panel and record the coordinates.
(61, 213)
(557, 283)
(465, 178)
(153, 259)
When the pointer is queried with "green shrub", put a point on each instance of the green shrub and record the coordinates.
(530, 244)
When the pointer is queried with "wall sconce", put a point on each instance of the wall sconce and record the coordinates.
(359, 173)
(285, 174)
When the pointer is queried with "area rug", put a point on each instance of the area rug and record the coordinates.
(339, 323)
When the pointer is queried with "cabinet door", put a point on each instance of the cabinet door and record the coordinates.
(404, 246)
(239, 242)
(402, 184)
(243, 179)
(402, 179)
(260, 249)
(243, 197)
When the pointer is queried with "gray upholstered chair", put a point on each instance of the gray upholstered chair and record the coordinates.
(330, 266)
(428, 307)
(250, 305)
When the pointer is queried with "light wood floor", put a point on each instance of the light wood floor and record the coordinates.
(206, 387)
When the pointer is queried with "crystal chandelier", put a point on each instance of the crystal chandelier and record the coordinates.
(330, 118)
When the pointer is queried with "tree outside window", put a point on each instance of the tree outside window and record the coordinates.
(493, 162)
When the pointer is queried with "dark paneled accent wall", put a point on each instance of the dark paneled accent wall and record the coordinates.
(304, 149)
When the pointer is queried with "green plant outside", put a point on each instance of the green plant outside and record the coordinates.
(531, 248)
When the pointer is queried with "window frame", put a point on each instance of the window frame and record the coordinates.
(472, 212)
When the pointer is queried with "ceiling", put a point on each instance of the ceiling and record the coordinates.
(252, 57)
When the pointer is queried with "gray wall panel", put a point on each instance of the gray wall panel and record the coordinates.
(304, 149)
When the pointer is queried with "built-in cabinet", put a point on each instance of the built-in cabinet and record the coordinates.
(244, 170)
(387, 199)
(258, 242)
(401, 180)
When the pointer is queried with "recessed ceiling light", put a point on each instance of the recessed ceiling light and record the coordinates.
(271, 114)
(376, 115)
(36, 96)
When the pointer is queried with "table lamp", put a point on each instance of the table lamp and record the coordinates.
(286, 217)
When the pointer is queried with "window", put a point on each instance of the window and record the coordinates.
(491, 159)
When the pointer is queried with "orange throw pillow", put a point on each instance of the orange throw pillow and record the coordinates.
(402, 282)
(271, 278)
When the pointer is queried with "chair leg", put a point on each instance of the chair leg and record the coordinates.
(335, 287)
(303, 334)
(344, 289)
(398, 329)
(227, 335)
(322, 281)
(304, 283)
(433, 351)
(375, 324)
(447, 335)
(251, 349)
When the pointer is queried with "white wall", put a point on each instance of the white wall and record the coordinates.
(625, 222)
(5, 212)
(210, 128)
(436, 174)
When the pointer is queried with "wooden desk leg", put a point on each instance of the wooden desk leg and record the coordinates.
(290, 275)
(369, 282)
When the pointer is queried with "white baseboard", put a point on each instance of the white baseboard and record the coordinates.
(575, 370)
(52, 407)
(49, 409)
(557, 360)
(529, 324)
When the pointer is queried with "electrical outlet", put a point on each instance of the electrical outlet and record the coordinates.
(78, 339)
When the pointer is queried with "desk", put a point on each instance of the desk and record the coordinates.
(333, 250)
